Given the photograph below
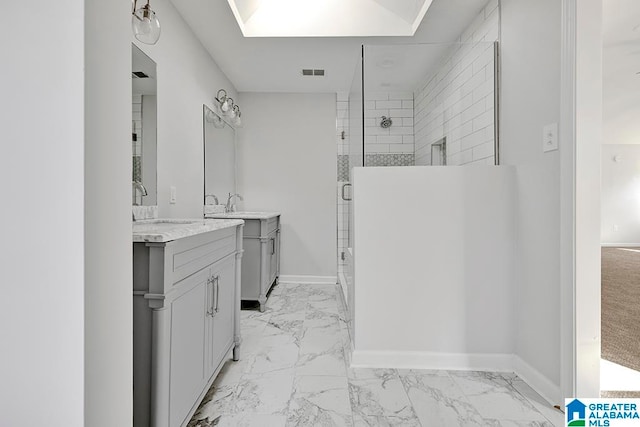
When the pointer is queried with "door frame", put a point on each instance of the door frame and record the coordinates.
(581, 133)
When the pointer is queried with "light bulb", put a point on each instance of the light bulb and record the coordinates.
(231, 113)
(145, 25)
(236, 114)
(225, 105)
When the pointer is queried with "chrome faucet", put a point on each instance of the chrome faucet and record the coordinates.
(215, 199)
(137, 185)
(227, 207)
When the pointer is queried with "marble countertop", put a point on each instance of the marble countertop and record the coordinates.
(166, 230)
(244, 215)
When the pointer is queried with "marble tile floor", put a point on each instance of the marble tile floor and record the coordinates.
(294, 371)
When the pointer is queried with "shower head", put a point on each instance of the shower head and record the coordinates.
(386, 122)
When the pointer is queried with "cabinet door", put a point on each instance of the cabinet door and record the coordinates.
(251, 268)
(224, 308)
(187, 375)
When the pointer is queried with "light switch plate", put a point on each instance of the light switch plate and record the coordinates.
(550, 137)
(172, 194)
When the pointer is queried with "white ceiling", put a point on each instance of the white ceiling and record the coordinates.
(328, 18)
(270, 64)
(391, 68)
(621, 45)
(621, 21)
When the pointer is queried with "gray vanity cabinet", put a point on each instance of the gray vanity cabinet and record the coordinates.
(261, 262)
(186, 321)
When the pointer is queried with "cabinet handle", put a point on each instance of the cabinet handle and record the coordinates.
(273, 246)
(217, 279)
(344, 186)
(210, 308)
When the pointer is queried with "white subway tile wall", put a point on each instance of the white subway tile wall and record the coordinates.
(396, 139)
(136, 146)
(458, 101)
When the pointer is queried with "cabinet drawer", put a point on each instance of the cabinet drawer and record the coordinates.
(187, 256)
(260, 227)
(251, 228)
(272, 224)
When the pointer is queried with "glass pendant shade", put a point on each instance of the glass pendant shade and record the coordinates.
(237, 115)
(145, 25)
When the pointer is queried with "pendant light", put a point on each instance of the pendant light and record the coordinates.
(145, 24)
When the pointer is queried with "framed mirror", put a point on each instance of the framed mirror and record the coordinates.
(219, 157)
(144, 128)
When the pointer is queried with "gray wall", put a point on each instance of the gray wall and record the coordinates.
(41, 165)
(620, 195)
(530, 53)
(107, 245)
(287, 163)
(187, 78)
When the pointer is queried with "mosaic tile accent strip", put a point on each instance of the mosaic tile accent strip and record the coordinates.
(137, 168)
(343, 167)
(389, 160)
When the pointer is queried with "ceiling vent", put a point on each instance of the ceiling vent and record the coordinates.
(140, 74)
(312, 72)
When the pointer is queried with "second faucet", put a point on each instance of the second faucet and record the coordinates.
(228, 206)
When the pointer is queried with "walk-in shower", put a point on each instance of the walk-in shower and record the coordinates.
(414, 105)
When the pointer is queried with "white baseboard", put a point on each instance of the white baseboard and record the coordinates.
(432, 360)
(309, 280)
(342, 278)
(620, 245)
(541, 384)
(460, 362)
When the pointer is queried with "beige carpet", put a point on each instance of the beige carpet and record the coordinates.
(621, 306)
(619, 394)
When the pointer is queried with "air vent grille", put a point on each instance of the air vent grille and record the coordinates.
(140, 74)
(312, 72)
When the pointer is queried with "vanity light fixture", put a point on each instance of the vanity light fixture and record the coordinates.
(145, 23)
(227, 107)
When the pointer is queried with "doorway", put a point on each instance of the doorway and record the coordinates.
(620, 200)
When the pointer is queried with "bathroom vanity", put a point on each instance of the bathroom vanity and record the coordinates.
(186, 313)
(261, 262)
